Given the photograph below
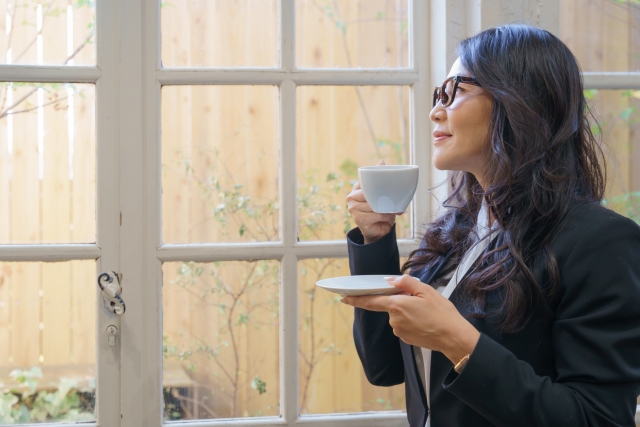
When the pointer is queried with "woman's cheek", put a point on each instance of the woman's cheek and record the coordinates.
(447, 157)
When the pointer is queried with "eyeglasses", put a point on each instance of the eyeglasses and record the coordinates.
(447, 92)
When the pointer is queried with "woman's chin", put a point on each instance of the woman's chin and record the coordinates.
(441, 163)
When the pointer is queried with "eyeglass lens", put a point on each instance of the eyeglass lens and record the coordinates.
(445, 96)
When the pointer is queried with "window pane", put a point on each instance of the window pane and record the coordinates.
(603, 34)
(339, 129)
(618, 114)
(47, 331)
(352, 33)
(220, 166)
(47, 163)
(331, 377)
(221, 357)
(219, 33)
(52, 32)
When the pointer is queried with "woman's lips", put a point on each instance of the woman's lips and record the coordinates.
(440, 136)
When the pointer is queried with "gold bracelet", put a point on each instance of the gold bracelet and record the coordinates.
(461, 364)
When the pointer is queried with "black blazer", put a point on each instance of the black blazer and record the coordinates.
(576, 363)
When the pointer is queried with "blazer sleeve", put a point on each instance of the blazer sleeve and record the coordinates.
(377, 346)
(596, 339)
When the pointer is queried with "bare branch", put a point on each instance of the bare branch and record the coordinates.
(202, 405)
(13, 113)
(79, 48)
(44, 21)
(4, 112)
(15, 104)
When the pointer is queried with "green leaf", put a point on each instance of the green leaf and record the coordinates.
(332, 176)
(627, 113)
(590, 93)
(259, 385)
(242, 230)
(349, 168)
(243, 319)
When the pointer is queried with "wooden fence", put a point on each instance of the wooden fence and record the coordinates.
(220, 148)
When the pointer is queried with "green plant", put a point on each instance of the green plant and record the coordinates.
(21, 105)
(627, 204)
(238, 296)
(26, 404)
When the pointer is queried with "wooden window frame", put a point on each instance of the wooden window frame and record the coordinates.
(107, 247)
(128, 76)
(288, 251)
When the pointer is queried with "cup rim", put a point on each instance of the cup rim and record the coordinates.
(388, 167)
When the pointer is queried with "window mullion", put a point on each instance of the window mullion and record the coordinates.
(289, 339)
(611, 80)
(420, 107)
(107, 204)
(49, 73)
(266, 76)
(48, 252)
(288, 221)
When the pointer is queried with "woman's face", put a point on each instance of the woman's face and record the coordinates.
(461, 135)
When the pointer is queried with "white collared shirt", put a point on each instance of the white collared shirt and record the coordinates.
(482, 231)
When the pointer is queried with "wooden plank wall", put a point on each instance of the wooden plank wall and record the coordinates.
(331, 376)
(605, 36)
(198, 318)
(47, 195)
(231, 134)
(206, 135)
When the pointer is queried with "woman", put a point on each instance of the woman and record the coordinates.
(544, 328)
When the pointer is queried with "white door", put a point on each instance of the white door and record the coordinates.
(202, 150)
(60, 213)
(192, 181)
(242, 124)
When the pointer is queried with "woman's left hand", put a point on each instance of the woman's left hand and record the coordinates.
(421, 316)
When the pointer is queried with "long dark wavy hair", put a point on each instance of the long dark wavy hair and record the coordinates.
(544, 160)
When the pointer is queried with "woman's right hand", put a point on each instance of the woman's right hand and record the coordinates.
(373, 226)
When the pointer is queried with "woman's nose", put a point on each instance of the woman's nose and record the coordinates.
(438, 113)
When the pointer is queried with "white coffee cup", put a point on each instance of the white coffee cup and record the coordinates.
(389, 189)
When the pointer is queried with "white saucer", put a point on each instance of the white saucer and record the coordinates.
(358, 285)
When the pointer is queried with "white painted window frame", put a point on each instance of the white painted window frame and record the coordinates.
(106, 250)
(289, 251)
(128, 78)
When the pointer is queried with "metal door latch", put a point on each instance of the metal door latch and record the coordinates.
(112, 332)
(109, 284)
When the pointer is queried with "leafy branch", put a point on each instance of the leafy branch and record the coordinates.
(28, 403)
(234, 302)
(47, 13)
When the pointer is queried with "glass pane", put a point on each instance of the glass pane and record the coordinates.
(221, 349)
(220, 164)
(618, 114)
(352, 33)
(331, 377)
(51, 32)
(47, 331)
(219, 33)
(603, 34)
(47, 163)
(341, 128)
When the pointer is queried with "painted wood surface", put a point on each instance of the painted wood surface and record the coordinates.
(228, 136)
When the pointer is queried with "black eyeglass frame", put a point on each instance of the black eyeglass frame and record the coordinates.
(440, 94)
